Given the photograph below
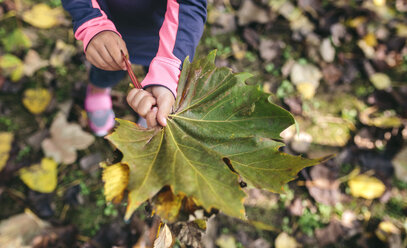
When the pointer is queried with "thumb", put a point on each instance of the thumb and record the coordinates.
(164, 104)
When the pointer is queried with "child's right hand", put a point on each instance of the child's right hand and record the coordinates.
(104, 51)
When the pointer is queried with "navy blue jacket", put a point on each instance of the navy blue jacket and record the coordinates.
(158, 33)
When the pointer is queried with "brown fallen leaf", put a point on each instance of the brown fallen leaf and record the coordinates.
(19, 230)
(61, 54)
(164, 239)
(329, 234)
(65, 139)
(33, 62)
(324, 187)
(250, 12)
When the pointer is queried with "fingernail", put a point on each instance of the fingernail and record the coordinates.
(164, 122)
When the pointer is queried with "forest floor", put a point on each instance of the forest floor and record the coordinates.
(340, 67)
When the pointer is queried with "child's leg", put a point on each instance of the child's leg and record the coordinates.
(104, 79)
(98, 103)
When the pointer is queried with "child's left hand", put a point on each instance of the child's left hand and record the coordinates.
(154, 104)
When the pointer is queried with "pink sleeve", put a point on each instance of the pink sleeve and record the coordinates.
(165, 67)
(89, 29)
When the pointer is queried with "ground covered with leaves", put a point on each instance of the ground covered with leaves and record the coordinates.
(340, 67)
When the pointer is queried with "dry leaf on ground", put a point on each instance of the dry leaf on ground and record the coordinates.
(36, 100)
(61, 54)
(324, 187)
(6, 140)
(249, 12)
(33, 62)
(329, 234)
(42, 16)
(400, 165)
(284, 240)
(65, 139)
(386, 119)
(164, 239)
(16, 40)
(116, 178)
(12, 67)
(41, 177)
(226, 241)
(306, 78)
(380, 81)
(19, 230)
(366, 187)
(327, 50)
(385, 230)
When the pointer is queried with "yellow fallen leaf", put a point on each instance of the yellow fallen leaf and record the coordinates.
(366, 187)
(356, 22)
(401, 30)
(284, 240)
(400, 165)
(167, 205)
(41, 177)
(366, 48)
(379, 3)
(386, 229)
(380, 81)
(226, 241)
(11, 66)
(116, 178)
(387, 119)
(239, 50)
(370, 39)
(42, 16)
(36, 100)
(307, 90)
(6, 140)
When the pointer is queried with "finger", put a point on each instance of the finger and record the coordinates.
(135, 101)
(107, 59)
(131, 95)
(164, 104)
(113, 49)
(123, 47)
(92, 57)
(152, 117)
(145, 105)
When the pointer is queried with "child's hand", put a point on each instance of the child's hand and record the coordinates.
(103, 51)
(144, 101)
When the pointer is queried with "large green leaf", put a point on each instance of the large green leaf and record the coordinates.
(221, 128)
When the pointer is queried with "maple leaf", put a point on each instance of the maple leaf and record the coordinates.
(221, 129)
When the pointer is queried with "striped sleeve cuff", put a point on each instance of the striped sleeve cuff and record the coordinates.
(165, 72)
(91, 28)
